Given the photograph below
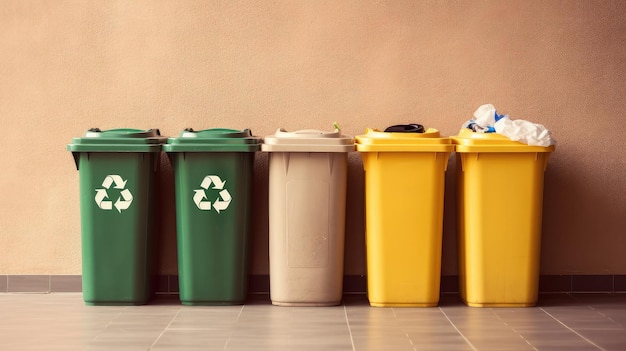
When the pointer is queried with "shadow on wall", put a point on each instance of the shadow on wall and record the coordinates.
(259, 225)
(449, 260)
(165, 216)
(581, 216)
(354, 259)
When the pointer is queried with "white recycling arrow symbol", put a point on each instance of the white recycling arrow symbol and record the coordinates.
(201, 200)
(102, 197)
(101, 194)
(114, 178)
(197, 199)
(123, 204)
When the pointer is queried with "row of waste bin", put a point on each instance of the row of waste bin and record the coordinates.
(500, 187)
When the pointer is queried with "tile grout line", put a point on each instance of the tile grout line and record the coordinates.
(230, 336)
(613, 282)
(607, 317)
(108, 325)
(457, 330)
(572, 330)
(165, 329)
(345, 313)
(406, 334)
(513, 329)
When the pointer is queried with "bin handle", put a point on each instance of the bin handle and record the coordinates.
(405, 128)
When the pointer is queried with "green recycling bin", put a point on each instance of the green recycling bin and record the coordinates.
(213, 182)
(116, 176)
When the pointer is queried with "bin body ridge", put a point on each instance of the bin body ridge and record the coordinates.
(307, 209)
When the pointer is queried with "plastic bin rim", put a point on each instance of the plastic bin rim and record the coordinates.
(308, 140)
(470, 141)
(374, 133)
(282, 133)
(118, 140)
(115, 148)
(421, 148)
(306, 147)
(214, 147)
(123, 133)
(500, 148)
(467, 136)
(308, 135)
(215, 133)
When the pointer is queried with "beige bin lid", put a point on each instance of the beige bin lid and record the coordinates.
(308, 140)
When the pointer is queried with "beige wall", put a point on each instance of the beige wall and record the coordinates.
(66, 66)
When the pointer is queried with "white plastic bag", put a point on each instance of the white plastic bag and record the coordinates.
(484, 119)
(524, 131)
(487, 120)
(485, 115)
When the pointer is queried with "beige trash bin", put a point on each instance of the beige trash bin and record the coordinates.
(307, 204)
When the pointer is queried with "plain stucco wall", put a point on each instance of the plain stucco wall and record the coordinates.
(66, 66)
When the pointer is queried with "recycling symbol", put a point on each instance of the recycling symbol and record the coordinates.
(123, 201)
(201, 200)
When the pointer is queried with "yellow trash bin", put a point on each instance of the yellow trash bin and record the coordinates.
(404, 187)
(499, 199)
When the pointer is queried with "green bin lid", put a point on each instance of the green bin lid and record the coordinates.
(375, 140)
(308, 140)
(213, 140)
(470, 141)
(118, 140)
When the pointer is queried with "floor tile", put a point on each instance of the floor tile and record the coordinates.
(185, 338)
(614, 339)
(570, 322)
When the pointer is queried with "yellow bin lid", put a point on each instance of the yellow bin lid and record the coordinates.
(375, 140)
(470, 141)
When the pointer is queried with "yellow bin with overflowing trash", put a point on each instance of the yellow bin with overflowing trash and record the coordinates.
(404, 188)
(499, 202)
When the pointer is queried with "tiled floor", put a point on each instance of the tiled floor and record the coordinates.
(560, 322)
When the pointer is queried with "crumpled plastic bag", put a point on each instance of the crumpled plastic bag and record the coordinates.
(487, 120)
(485, 115)
(524, 131)
(484, 119)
